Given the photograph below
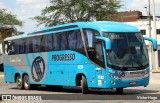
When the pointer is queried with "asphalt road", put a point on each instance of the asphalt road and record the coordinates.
(72, 93)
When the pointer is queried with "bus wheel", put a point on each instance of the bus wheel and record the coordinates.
(19, 82)
(119, 90)
(26, 84)
(84, 85)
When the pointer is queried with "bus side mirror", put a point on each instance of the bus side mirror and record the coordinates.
(107, 42)
(154, 42)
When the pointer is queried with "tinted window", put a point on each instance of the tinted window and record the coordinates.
(143, 32)
(30, 44)
(94, 47)
(99, 54)
(16, 46)
(21, 46)
(56, 42)
(36, 44)
(72, 40)
(43, 44)
(158, 31)
(64, 41)
(49, 43)
(27, 45)
(79, 41)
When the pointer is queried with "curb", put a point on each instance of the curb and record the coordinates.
(155, 71)
(1, 75)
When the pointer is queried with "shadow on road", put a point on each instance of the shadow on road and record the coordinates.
(77, 90)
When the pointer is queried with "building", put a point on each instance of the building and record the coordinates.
(128, 16)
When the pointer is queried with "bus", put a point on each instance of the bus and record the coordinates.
(90, 55)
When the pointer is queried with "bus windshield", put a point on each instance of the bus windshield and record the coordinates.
(128, 51)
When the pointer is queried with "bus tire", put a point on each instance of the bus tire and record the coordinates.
(84, 85)
(26, 83)
(19, 82)
(119, 90)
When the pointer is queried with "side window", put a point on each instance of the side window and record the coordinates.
(94, 47)
(79, 40)
(89, 35)
(43, 43)
(72, 39)
(5, 48)
(49, 43)
(63, 41)
(99, 53)
(34, 41)
(36, 44)
(21, 46)
(27, 46)
(56, 42)
(16, 46)
(75, 42)
(8, 47)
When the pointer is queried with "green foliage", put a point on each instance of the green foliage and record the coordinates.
(64, 11)
(8, 19)
(7, 23)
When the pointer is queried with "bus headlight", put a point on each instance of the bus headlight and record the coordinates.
(146, 74)
(115, 77)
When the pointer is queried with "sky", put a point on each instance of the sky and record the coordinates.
(26, 9)
(140, 5)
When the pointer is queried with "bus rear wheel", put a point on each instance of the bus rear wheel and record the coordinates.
(119, 90)
(26, 83)
(84, 85)
(19, 82)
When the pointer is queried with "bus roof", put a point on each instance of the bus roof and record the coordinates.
(104, 26)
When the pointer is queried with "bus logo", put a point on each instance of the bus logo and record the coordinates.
(38, 69)
(122, 74)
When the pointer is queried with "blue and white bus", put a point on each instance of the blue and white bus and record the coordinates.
(98, 54)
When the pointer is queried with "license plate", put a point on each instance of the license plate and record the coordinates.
(132, 83)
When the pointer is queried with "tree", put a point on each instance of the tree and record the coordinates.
(7, 23)
(8, 19)
(64, 11)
